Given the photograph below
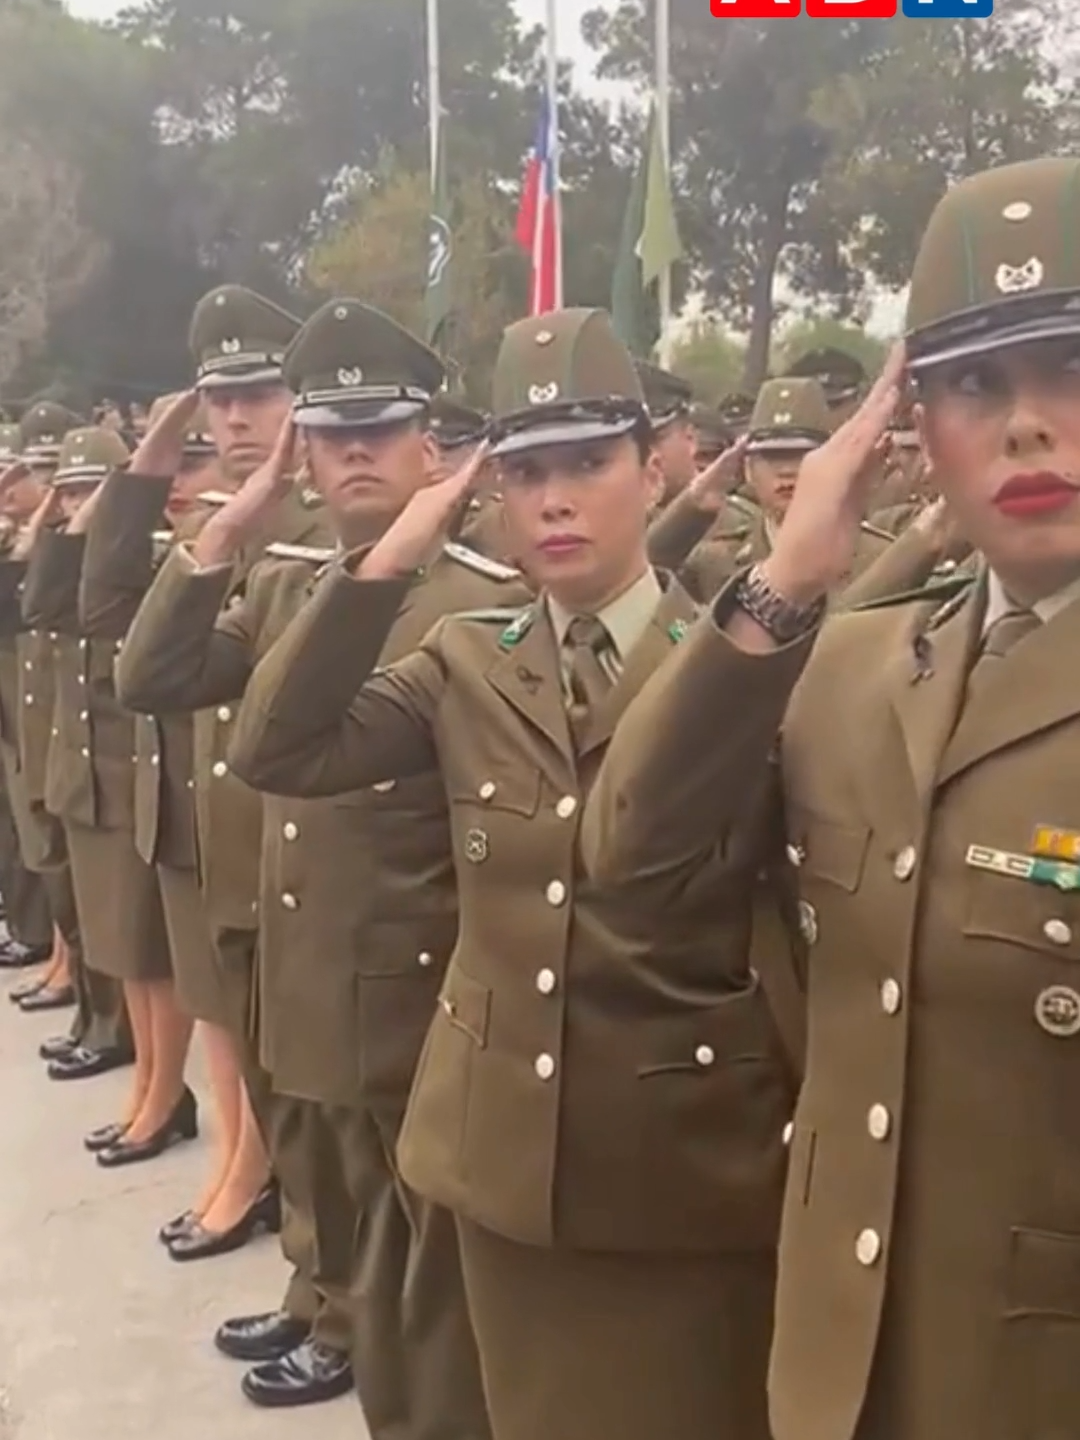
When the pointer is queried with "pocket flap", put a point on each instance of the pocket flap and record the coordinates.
(1044, 1275)
(829, 849)
(466, 1004)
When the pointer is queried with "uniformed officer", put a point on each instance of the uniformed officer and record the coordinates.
(669, 400)
(790, 419)
(714, 434)
(238, 340)
(841, 376)
(90, 785)
(932, 801)
(357, 896)
(459, 430)
(100, 1036)
(602, 1112)
(123, 549)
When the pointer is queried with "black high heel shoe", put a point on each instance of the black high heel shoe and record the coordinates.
(104, 1137)
(181, 1225)
(182, 1124)
(263, 1218)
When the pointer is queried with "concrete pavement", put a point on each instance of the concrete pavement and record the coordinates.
(102, 1337)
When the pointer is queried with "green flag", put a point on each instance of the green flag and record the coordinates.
(630, 312)
(660, 245)
(438, 299)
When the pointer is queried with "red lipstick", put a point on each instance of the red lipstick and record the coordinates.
(561, 544)
(1040, 492)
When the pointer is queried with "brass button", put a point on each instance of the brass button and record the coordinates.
(155, 759)
(487, 790)
(85, 753)
(425, 958)
(891, 996)
(546, 981)
(868, 1247)
(1058, 932)
(224, 714)
(788, 1132)
(567, 807)
(545, 1066)
(290, 901)
(220, 769)
(705, 1056)
(290, 830)
(84, 715)
(556, 893)
(879, 1122)
(796, 854)
(904, 864)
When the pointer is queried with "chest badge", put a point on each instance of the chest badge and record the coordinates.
(1037, 870)
(477, 847)
(808, 922)
(1057, 1011)
(1055, 843)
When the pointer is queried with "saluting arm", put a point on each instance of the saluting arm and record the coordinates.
(182, 653)
(50, 599)
(316, 721)
(118, 568)
(12, 579)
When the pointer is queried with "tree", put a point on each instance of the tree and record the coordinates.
(710, 358)
(45, 254)
(822, 333)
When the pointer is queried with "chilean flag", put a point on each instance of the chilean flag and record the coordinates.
(537, 230)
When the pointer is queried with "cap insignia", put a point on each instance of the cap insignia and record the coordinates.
(219, 300)
(341, 313)
(230, 347)
(782, 417)
(349, 377)
(544, 337)
(543, 394)
(1018, 210)
(1013, 279)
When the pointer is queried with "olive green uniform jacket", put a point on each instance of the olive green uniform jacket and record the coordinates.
(930, 1252)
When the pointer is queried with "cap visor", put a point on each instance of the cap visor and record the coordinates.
(357, 414)
(239, 379)
(790, 444)
(562, 432)
(1045, 327)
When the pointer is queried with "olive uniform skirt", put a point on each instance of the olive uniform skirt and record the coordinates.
(194, 961)
(119, 903)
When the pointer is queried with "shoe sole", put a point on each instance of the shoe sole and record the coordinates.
(288, 1400)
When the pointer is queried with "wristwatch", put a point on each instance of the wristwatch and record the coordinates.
(775, 613)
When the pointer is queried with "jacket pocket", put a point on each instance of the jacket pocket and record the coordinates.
(1039, 1374)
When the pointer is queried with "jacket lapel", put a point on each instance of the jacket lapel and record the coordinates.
(1033, 687)
(526, 674)
(674, 615)
(926, 678)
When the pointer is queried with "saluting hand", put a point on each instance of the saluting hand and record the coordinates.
(11, 475)
(225, 533)
(422, 525)
(160, 452)
(712, 486)
(816, 543)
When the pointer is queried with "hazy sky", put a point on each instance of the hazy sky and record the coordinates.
(568, 19)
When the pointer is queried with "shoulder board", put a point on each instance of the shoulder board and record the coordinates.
(316, 554)
(482, 564)
(497, 615)
(740, 502)
(215, 497)
(163, 537)
(518, 628)
(870, 529)
(944, 591)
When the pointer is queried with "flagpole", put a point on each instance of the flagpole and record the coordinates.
(434, 86)
(553, 113)
(663, 120)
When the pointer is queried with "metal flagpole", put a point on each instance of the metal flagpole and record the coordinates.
(553, 114)
(434, 95)
(663, 120)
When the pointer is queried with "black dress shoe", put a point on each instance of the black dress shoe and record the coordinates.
(46, 999)
(263, 1217)
(56, 1047)
(174, 1229)
(182, 1124)
(103, 1137)
(23, 992)
(14, 955)
(261, 1337)
(80, 1063)
(309, 1375)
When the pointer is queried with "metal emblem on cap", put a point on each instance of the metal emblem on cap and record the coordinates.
(1018, 210)
(476, 847)
(341, 313)
(354, 376)
(1057, 1010)
(543, 394)
(1014, 279)
(544, 337)
(219, 300)
(782, 417)
(230, 347)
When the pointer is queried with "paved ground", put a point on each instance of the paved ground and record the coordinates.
(102, 1337)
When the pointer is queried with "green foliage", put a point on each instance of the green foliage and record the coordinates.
(711, 358)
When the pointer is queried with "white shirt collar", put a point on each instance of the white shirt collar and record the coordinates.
(998, 602)
(626, 618)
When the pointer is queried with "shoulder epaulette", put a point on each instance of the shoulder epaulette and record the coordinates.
(497, 615)
(749, 509)
(870, 529)
(215, 497)
(520, 625)
(946, 591)
(482, 564)
(316, 554)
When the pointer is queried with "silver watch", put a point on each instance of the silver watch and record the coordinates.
(775, 613)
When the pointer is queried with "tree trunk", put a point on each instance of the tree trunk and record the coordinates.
(774, 228)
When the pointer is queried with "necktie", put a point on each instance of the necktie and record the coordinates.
(1005, 632)
(587, 681)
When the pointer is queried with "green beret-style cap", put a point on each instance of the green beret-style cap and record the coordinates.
(790, 413)
(89, 454)
(239, 338)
